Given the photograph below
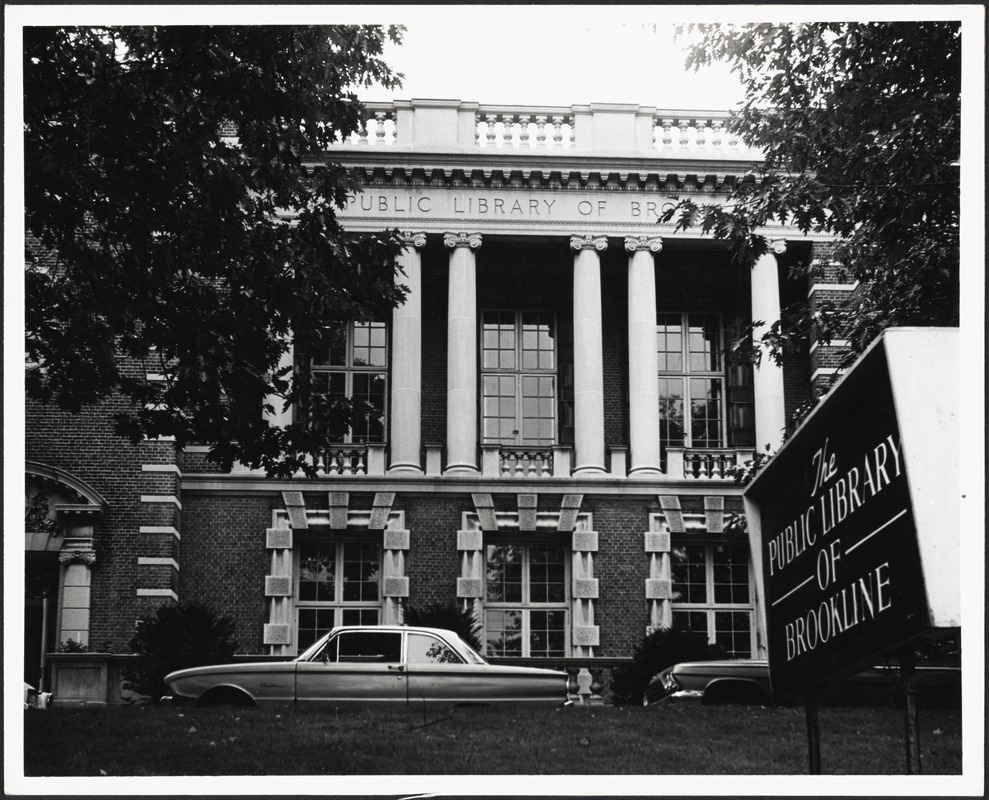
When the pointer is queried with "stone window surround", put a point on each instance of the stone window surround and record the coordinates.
(279, 588)
(584, 634)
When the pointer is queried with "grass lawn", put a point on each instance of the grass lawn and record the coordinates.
(681, 739)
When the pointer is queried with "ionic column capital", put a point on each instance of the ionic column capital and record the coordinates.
(454, 240)
(778, 246)
(588, 241)
(414, 239)
(87, 557)
(636, 243)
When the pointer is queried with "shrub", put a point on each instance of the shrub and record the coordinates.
(175, 637)
(449, 616)
(657, 651)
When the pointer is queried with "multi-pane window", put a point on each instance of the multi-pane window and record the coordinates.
(691, 380)
(338, 583)
(712, 594)
(526, 599)
(518, 377)
(353, 363)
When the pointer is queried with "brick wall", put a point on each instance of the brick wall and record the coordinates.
(432, 563)
(621, 567)
(85, 446)
(225, 559)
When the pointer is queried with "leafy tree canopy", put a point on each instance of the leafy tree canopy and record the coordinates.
(156, 234)
(860, 126)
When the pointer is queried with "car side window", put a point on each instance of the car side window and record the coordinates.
(426, 649)
(369, 647)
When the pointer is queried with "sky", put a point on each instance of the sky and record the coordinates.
(526, 57)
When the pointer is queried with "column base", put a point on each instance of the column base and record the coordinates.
(589, 471)
(461, 469)
(410, 468)
(646, 473)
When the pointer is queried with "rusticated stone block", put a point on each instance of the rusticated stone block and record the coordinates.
(277, 634)
(297, 517)
(658, 589)
(384, 499)
(568, 519)
(657, 542)
(396, 540)
(585, 541)
(486, 517)
(470, 540)
(469, 587)
(278, 538)
(379, 518)
(585, 588)
(572, 501)
(587, 636)
(293, 499)
(527, 519)
(395, 587)
(277, 586)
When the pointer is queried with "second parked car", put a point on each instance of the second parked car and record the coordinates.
(747, 681)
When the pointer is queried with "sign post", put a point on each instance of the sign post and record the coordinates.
(853, 525)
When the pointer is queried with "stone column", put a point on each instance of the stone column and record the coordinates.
(588, 354)
(461, 360)
(643, 364)
(406, 361)
(77, 557)
(770, 415)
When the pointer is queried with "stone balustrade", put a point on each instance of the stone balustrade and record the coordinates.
(417, 124)
(704, 463)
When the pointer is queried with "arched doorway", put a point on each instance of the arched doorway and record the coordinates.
(59, 513)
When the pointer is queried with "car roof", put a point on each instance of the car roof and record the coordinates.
(399, 628)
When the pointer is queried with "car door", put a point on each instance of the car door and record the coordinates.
(437, 673)
(355, 666)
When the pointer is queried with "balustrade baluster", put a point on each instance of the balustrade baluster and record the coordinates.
(491, 119)
(509, 130)
(684, 126)
(667, 134)
(541, 131)
(557, 131)
(524, 130)
(716, 126)
(701, 138)
(379, 127)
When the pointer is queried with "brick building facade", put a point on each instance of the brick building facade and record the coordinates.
(559, 414)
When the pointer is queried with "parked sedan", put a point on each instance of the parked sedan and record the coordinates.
(369, 665)
(747, 681)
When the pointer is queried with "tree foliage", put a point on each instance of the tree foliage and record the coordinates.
(179, 636)
(156, 236)
(860, 127)
(658, 650)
